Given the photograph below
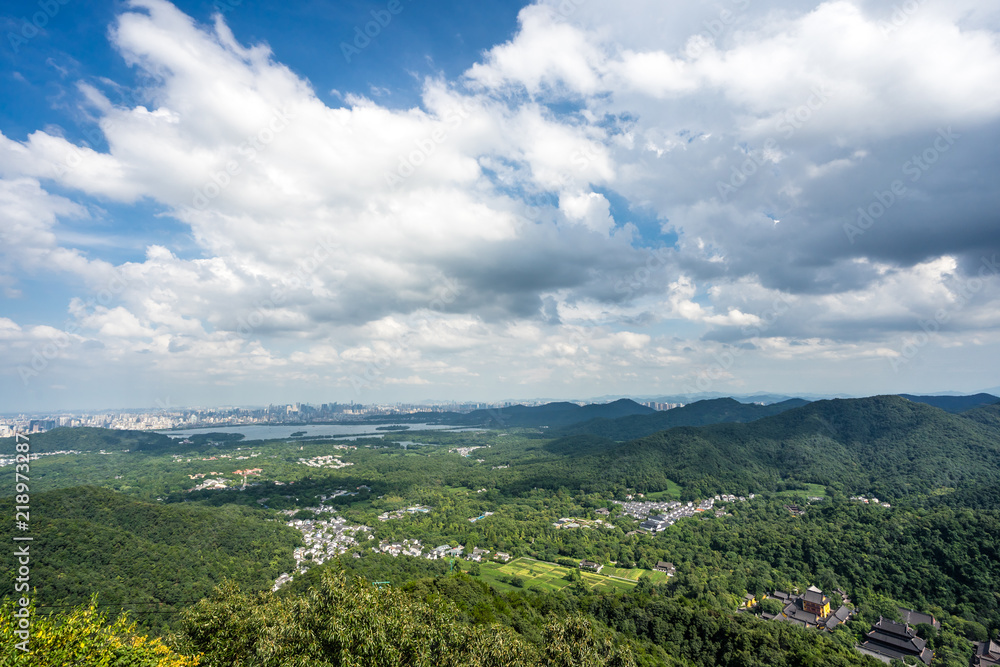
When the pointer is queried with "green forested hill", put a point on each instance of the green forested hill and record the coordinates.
(92, 439)
(552, 415)
(954, 404)
(460, 621)
(988, 415)
(701, 413)
(884, 445)
(90, 540)
(935, 550)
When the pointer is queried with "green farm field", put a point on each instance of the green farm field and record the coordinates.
(546, 576)
(672, 492)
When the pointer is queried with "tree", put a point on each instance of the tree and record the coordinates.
(344, 623)
(571, 642)
(770, 606)
(83, 636)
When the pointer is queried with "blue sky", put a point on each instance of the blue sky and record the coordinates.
(559, 199)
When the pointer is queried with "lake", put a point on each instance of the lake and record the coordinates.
(280, 431)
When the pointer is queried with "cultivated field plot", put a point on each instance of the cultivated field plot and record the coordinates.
(546, 576)
(633, 574)
(672, 492)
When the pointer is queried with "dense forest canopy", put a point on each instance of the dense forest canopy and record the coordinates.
(147, 538)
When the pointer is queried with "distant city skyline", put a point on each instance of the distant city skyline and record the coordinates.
(661, 402)
(231, 203)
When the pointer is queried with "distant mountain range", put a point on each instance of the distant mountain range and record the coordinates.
(700, 413)
(552, 415)
(886, 445)
(954, 404)
(625, 419)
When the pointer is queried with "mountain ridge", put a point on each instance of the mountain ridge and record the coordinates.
(700, 413)
(884, 445)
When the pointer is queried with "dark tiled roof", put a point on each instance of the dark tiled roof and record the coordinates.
(987, 654)
(875, 649)
(895, 628)
(896, 640)
(838, 617)
(912, 645)
(815, 598)
(911, 617)
(796, 613)
(793, 621)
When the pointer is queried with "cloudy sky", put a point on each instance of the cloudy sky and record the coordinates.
(245, 202)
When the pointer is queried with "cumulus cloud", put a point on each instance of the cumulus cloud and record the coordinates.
(795, 180)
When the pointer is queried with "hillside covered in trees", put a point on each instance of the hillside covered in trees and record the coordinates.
(195, 566)
(145, 556)
(884, 445)
(700, 413)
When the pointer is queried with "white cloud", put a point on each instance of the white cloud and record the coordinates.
(469, 237)
(547, 52)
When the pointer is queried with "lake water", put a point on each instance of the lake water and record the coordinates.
(279, 431)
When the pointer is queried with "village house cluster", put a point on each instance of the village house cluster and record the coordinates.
(212, 483)
(399, 514)
(405, 548)
(870, 501)
(660, 515)
(577, 522)
(324, 539)
(465, 451)
(415, 549)
(327, 461)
